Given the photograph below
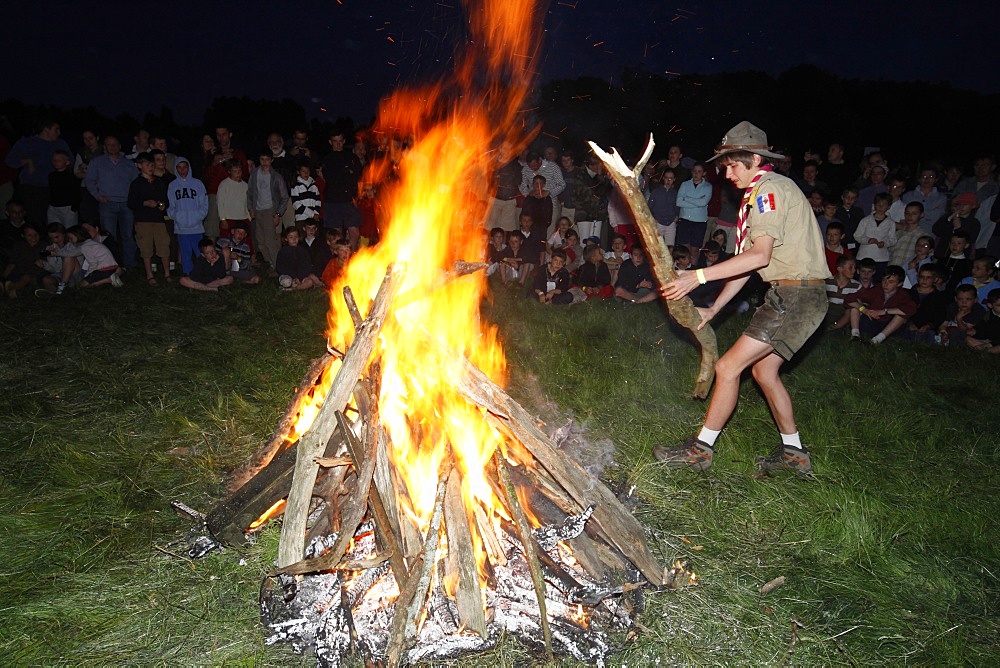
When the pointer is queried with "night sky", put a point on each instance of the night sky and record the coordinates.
(337, 58)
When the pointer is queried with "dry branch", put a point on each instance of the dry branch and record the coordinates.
(683, 311)
(314, 441)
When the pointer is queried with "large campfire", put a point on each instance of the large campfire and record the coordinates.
(425, 512)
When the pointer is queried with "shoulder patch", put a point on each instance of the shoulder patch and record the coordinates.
(765, 203)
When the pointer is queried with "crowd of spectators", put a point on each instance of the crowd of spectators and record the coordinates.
(912, 251)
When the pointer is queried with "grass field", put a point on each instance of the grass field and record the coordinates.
(114, 403)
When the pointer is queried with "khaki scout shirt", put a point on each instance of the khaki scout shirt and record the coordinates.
(779, 210)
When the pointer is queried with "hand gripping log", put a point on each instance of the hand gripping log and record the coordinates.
(683, 311)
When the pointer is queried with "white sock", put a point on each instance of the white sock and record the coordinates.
(855, 332)
(708, 436)
(878, 338)
(791, 439)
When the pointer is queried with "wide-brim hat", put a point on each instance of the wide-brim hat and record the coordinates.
(745, 136)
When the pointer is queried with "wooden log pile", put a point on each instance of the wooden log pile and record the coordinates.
(343, 493)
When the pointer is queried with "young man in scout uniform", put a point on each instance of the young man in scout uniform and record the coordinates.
(778, 237)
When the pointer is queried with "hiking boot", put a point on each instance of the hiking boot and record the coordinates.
(693, 453)
(787, 458)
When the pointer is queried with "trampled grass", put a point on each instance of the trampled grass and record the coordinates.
(117, 402)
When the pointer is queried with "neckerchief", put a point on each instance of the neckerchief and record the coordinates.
(744, 213)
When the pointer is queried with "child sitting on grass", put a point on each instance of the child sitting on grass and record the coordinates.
(516, 267)
(552, 283)
(617, 256)
(293, 264)
(982, 278)
(866, 273)
(840, 291)
(835, 247)
(340, 250)
(558, 238)
(237, 255)
(24, 263)
(494, 251)
(962, 317)
(574, 251)
(932, 305)
(681, 255)
(61, 262)
(99, 264)
(880, 311)
(986, 335)
(635, 279)
(594, 277)
(209, 272)
(923, 253)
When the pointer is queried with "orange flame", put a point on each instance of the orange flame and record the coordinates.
(456, 133)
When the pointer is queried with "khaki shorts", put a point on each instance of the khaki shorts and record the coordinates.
(152, 239)
(788, 317)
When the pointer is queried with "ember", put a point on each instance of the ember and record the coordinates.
(437, 514)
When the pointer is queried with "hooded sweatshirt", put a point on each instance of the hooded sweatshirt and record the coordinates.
(187, 202)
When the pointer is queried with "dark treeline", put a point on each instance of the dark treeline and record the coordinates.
(803, 109)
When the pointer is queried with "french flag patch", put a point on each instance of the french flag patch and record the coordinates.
(765, 203)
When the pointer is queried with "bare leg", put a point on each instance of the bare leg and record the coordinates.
(744, 353)
(765, 372)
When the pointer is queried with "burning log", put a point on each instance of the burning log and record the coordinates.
(683, 311)
(313, 443)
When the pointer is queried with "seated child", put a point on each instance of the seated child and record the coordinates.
(866, 273)
(982, 278)
(552, 283)
(24, 262)
(494, 251)
(923, 253)
(594, 277)
(294, 267)
(682, 257)
(315, 242)
(962, 316)
(721, 237)
(986, 334)
(840, 291)
(615, 257)
(558, 238)
(61, 262)
(881, 310)
(835, 247)
(957, 263)
(828, 215)
(635, 279)
(516, 268)
(98, 262)
(932, 305)
(340, 251)
(209, 272)
(574, 251)
(538, 205)
(236, 254)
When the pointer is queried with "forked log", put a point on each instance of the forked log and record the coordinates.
(313, 442)
(683, 311)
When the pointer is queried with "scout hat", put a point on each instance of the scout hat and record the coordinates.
(745, 136)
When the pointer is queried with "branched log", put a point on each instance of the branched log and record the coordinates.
(683, 311)
(313, 442)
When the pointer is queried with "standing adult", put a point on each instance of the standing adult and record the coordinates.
(267, 199)
(109, 177)
(287, 167)
(342, 172)
(507, 177)
(982, 183)
(778, 237)
(33, 157)
(216, 172)
(92, 148)
(692, 200)
(934, 201)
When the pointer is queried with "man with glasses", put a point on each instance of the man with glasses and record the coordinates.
(934, 201)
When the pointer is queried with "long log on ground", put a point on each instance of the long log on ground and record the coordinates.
(616, 524)
(313, 442)
(683, 311)
(279, 440)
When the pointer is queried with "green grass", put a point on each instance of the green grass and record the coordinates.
(117, 402)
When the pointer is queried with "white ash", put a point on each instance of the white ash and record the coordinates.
(315, 619)
(571, 527)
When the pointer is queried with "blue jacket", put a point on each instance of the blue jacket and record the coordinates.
(187, 202)
(109, 179)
